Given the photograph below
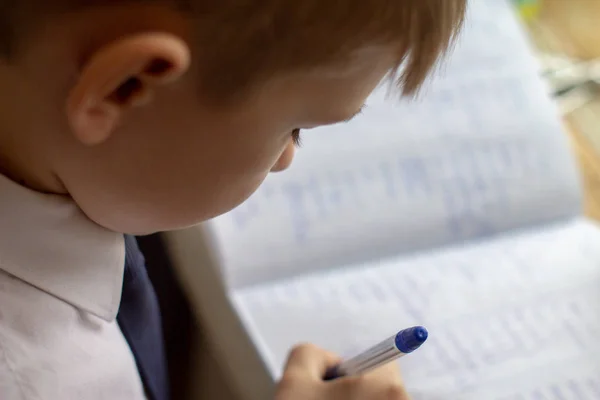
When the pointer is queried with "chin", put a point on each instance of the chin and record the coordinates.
(171, 222)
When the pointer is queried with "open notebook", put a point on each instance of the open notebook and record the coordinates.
(459, 211)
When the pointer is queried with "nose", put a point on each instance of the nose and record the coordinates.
(285, 159)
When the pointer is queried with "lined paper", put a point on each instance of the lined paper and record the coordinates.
(500, 314)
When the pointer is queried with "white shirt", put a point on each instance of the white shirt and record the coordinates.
(60, 287)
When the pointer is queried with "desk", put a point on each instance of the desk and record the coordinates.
(571, 27)
(590, 166)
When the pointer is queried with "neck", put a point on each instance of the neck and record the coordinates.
(26, 144)
(20, 168)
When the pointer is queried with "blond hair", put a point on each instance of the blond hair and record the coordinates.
(244, 42)
(248, 40)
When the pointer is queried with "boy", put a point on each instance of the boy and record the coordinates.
(148, 115)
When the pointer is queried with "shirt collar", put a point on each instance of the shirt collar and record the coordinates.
(47, 241)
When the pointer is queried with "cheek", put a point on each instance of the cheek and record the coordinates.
(206, 183)
(170, 170)
(228, 194)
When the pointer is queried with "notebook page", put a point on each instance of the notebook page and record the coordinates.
(482, 151)
(506, 317)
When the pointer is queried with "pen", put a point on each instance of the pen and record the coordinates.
(404, 342)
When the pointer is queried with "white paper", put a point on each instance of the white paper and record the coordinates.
(481, 152)
(512, 318)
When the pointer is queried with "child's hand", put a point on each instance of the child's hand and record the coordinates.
(303, 380)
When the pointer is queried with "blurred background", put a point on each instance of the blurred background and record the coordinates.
(566, 35)
(566, 38)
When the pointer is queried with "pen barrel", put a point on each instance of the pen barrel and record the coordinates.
(377, 355)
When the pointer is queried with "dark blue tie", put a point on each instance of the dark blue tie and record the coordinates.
(140, 321)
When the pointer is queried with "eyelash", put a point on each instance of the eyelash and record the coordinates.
(296, 137)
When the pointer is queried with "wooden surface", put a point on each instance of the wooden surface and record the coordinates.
(572, 27)
(590, 168)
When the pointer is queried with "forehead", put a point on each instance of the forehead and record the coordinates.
(335, 92)
(358, 63)
(318, 95)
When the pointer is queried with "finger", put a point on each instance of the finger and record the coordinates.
(384, 382)
(310, 360)
(389, 372)
(392, 391)
(368, 387)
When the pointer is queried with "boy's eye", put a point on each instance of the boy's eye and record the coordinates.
(296, 137)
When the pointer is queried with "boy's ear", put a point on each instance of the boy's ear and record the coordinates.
(119, 76)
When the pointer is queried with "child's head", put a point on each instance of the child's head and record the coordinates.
(156, 114)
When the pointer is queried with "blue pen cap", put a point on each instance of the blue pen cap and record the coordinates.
(408, 340)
